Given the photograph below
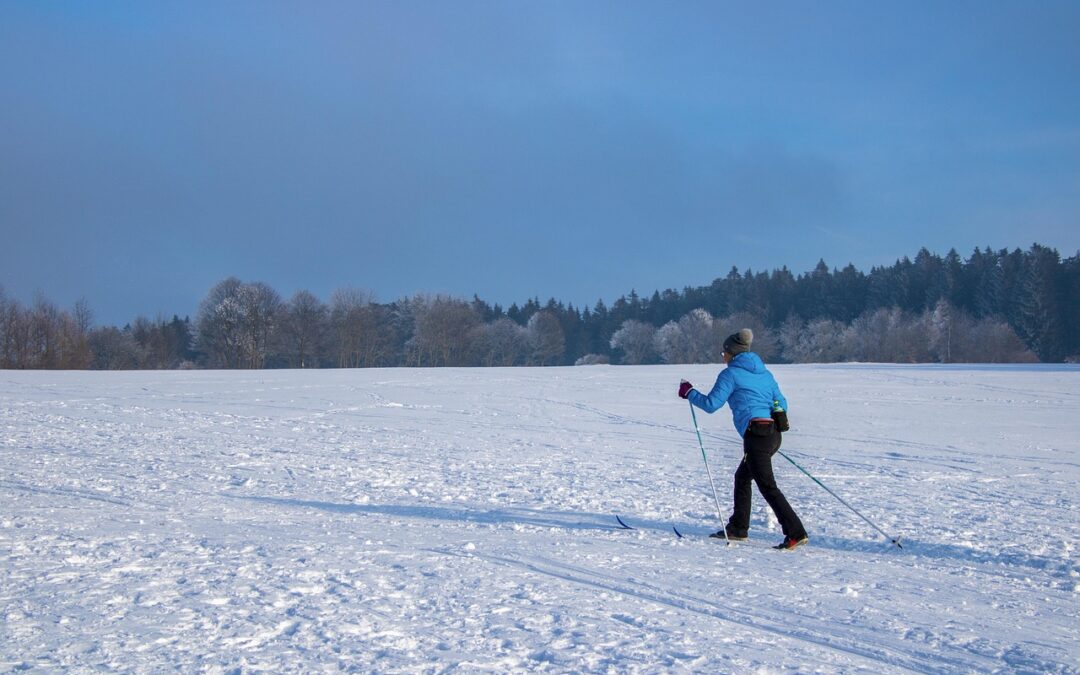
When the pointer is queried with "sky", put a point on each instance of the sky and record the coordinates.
(520, 149)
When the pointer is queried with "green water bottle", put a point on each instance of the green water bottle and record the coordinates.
(779, 416)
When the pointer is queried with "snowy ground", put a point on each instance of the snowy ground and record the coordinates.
(462, 520)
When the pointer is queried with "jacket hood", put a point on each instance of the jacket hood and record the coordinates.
(748, 361)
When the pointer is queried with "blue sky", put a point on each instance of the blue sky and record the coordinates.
(518, 149)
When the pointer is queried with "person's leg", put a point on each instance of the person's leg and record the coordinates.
(739, 522)
(759, 459)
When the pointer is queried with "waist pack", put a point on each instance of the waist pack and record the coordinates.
(761, 426)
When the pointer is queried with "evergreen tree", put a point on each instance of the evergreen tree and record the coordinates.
(850, 291)
(1070, 307)
(1039, 315)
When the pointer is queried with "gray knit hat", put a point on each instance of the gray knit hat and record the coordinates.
(737, 343)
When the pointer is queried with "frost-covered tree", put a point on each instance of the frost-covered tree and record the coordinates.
(668, 342)
(766, 341)
(689, 340)
(942, 324)
(989, 340)
(789, 335)
(636, 340)
(871, 338)
(500, 343)
(547, 342)
(218, 325)
(888, 336)
(236, 323)
(592, 360)
(826, 341)
(817, 341)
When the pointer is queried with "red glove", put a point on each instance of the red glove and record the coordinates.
(684, 389)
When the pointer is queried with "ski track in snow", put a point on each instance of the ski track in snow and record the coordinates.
(463, 520)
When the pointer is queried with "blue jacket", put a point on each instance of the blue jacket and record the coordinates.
(747, 386)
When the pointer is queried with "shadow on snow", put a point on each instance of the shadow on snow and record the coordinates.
(571, 520)
(584, 521)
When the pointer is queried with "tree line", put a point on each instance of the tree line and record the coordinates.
(995, 306)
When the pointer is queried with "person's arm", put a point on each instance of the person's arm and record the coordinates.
(778, 396)
(716, 398)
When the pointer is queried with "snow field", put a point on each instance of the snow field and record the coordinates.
(463, 520)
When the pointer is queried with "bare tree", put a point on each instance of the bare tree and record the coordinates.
(442, 330)
(303, 328)
(44, 335)
(347, 325)
(153, 352)
(11, 325)
(260, 307)
(363, 333)
(115, 349)
(161, 343)
(74, 338)
(381, 343)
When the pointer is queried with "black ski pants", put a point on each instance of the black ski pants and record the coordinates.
(757, 467)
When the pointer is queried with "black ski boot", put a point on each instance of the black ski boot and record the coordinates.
(731, 535)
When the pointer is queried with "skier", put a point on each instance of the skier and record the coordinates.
(751, 391)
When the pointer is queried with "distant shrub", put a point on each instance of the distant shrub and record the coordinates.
(593, 360)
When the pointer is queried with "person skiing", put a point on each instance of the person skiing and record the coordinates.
(753, 394)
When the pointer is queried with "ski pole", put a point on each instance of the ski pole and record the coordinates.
(894, 540)
(719, 512)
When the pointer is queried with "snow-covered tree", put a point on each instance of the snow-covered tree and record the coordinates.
(236, 323)
(500, 343)
(547, 342)
(818, 341)
(689, 340)
(636, 341)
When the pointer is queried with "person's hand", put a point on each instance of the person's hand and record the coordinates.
(684, 389)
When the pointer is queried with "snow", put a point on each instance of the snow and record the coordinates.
(463, 520)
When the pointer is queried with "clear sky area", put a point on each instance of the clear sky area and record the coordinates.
(517, 149)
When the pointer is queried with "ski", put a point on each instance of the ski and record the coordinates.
(757, 544)
(624, 526)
